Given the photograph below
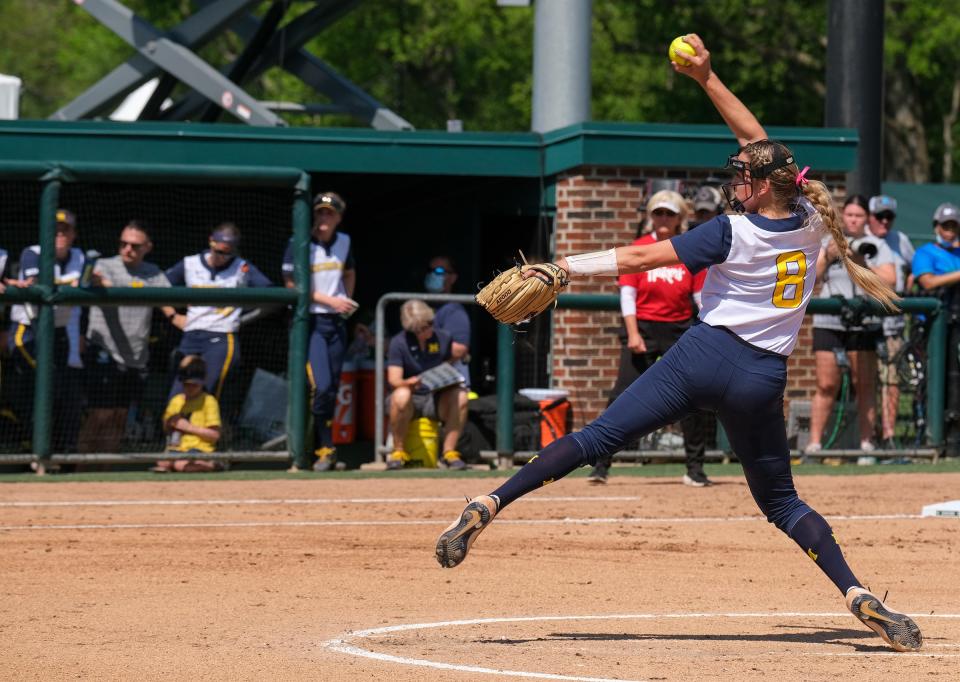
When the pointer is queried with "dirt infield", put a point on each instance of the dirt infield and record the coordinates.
(643, 579)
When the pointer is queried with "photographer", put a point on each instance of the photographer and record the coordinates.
(832, 334)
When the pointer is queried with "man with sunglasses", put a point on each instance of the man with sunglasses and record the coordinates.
(333, 277)
(117, 353)
(883, 213)
(211, 331)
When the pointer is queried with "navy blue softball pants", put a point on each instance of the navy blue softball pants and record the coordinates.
(220, 352)
(328, 345)
(709, 369)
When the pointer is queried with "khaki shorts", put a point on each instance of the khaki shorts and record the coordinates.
(888, 370)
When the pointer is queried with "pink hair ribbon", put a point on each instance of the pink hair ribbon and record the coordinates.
(802, 177)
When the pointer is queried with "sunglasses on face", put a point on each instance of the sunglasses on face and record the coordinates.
(221, 252)
(885, 216)
(136, 246)
(664, 213)
(950, 226)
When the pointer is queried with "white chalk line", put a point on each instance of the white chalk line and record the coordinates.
(342, 644)
(300, 501)
(615, 520)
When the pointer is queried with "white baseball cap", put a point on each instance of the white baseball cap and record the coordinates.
(664, 202)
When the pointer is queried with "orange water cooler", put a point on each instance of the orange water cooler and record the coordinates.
(345, 413)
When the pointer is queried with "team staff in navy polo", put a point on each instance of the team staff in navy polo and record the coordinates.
(333, 277)
(67, 268)
(418, 348)
(211, 331)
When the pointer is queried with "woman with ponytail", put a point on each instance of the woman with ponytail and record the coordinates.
(761, 267)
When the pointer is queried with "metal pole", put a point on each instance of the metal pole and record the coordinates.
(300, 329)
(43, 327)
(505, 384)
(936, 375)
(855, 85)
(561, 64)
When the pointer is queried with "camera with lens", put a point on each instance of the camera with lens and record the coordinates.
(863, 247)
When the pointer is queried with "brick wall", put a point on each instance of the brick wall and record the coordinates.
(597, 210)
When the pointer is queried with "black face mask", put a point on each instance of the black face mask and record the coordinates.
(747, 174)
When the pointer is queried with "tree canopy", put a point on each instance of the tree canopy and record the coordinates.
(434, 60)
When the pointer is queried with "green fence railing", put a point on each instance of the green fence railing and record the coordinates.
(936, 354)
(52, 176)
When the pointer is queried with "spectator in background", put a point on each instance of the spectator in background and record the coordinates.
(657, 307)
(858, 339)
(937, 265)
(191, 421)
(707, 204)
(333, 279)
(451, 317)
(883, 213)
(417, 348)
(211, 331)
(4, 257)
(67, 268)
(117, 342)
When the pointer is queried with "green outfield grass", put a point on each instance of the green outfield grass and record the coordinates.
(650, 470)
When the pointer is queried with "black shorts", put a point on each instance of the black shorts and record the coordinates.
(107, 384)
(864, 340)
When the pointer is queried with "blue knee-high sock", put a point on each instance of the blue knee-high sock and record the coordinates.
(553, 462)
(816, 538)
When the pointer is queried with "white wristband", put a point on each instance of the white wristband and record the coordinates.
(594, 263)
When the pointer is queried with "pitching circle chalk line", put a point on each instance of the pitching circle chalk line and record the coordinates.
(342, 644)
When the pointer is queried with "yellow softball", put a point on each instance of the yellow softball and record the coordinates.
(678, 46)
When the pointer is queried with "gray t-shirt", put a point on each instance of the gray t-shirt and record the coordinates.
(124, 331)
(903, 252)
(836, 282)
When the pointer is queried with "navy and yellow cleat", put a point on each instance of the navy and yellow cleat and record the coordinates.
(456, 540)
(896, 629)
(452, 460)
(326, 459)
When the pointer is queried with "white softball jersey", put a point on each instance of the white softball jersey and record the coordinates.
(197, 274)
(327, 263)
(64, 274)
(761, 274)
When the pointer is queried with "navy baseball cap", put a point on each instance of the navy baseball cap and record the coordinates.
(329, 200)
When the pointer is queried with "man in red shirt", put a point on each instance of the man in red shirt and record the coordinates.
(657, 307)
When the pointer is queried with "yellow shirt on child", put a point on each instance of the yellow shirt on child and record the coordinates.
(203, 411)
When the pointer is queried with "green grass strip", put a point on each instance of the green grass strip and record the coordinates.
(648, 471)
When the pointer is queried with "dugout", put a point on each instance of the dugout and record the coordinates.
(411, 194)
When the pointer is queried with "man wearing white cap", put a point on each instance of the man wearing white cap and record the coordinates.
(883, 212)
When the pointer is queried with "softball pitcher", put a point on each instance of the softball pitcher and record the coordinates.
(762, 265)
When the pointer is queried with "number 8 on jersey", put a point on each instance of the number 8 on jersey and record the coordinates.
(791, 269)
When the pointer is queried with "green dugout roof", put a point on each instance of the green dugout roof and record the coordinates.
(353, 150)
